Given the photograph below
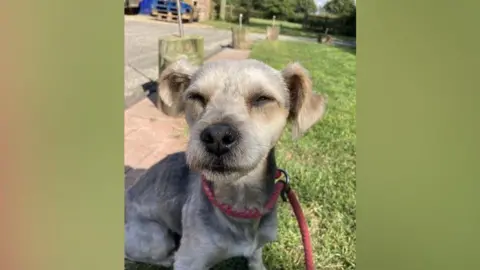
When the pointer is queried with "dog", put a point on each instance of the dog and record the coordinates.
(236, 111)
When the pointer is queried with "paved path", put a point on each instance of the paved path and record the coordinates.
(141, 49)
(150, 135)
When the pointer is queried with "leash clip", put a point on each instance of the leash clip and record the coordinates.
(286, 186)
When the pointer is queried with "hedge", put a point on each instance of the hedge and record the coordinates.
(345, 25)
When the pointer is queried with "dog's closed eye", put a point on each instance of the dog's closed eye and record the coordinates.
(197, 97)
(261, 100)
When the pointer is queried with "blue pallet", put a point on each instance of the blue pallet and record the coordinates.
(147, 6)
(164, 6)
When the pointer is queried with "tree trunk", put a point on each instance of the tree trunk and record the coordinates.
(248, 12)
(223, 4)
(305, 20)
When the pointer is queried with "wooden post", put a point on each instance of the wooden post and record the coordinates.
(171, 49)
(239, 38)
(273, 31)
(325, 38)
(179, 18)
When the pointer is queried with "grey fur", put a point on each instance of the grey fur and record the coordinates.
(168, 219)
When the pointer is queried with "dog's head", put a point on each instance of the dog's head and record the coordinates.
(237, 110)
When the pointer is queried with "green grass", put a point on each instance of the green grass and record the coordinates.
(321, 164)
(257, 25)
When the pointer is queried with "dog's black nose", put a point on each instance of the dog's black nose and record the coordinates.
(219, 138)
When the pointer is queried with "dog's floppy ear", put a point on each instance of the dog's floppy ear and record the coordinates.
(306, 107)
(173, 80)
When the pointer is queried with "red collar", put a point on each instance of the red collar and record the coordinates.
(247, 213)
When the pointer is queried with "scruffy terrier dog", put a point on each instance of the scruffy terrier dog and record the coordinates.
(236, 112)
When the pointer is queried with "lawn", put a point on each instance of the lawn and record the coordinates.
(321, 164)
(257, 25)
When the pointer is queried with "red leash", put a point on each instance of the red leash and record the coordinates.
(282, 187)
(302, 222)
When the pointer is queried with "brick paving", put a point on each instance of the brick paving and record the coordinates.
(150, 135)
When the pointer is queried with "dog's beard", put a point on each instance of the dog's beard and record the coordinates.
(229, 166)
(209, 162)
(219, 177)
(240, 161)
(217, 170)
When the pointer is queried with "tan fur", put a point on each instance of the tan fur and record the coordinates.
(171, 84)
(307, 107)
